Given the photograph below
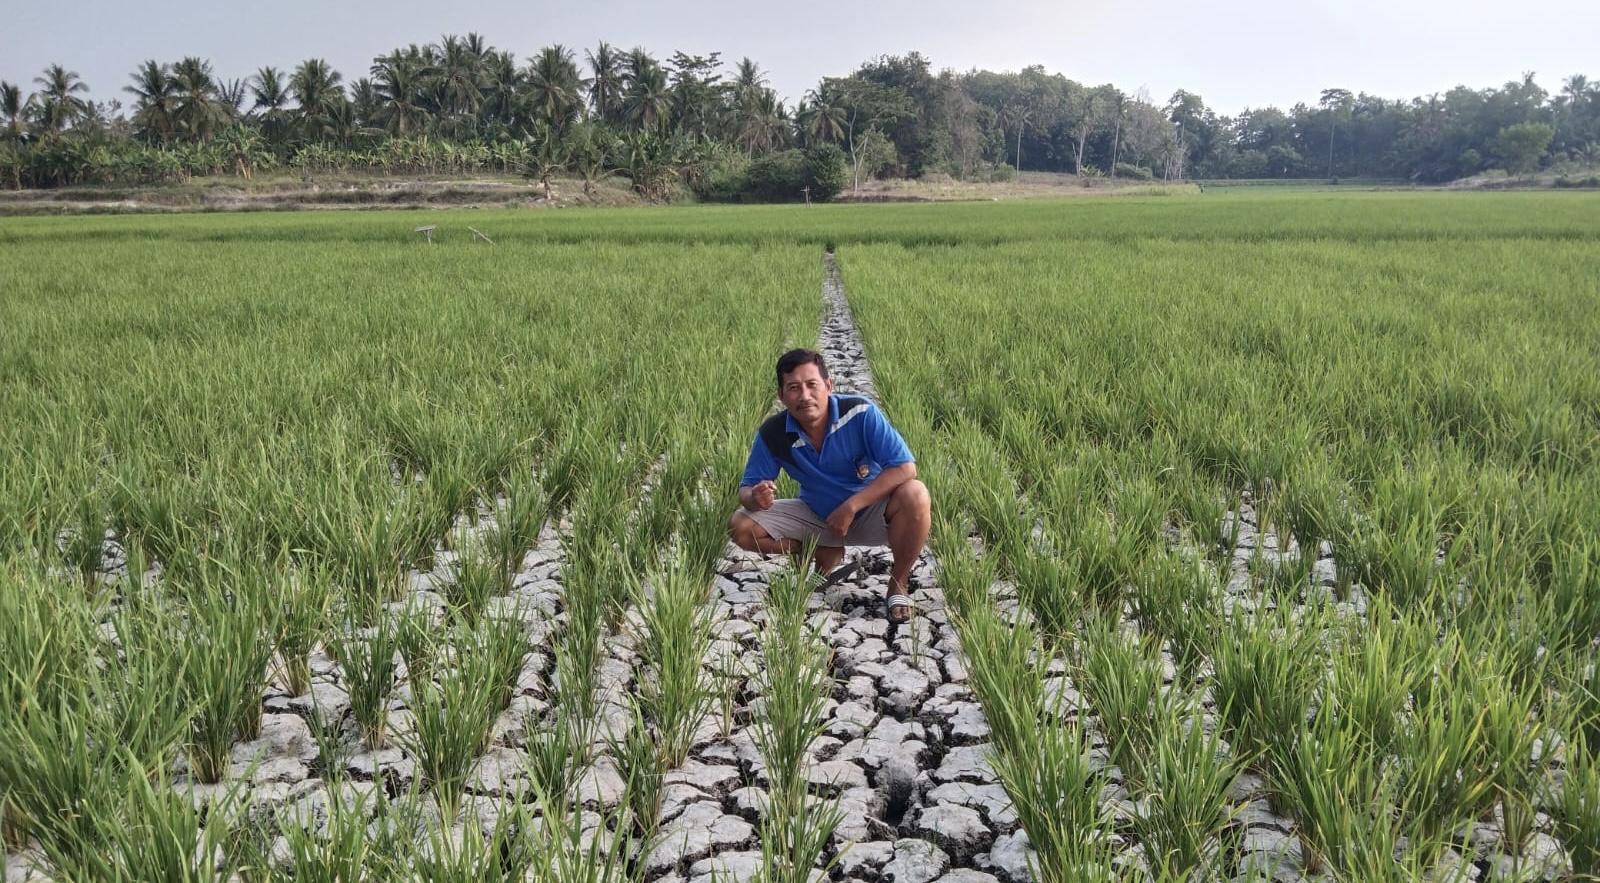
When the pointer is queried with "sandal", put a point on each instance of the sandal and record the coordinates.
(895, 602)
(839, 574)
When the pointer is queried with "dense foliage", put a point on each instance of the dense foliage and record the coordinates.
(463, 106)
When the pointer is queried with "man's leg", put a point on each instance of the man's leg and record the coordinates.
(910, 518)
(750, 536)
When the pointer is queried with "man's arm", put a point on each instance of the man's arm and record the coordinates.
(882, 486)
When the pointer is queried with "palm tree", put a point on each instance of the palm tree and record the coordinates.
(270, 96)
(58, 103)
(155, 99)
(399, 91)
(198, 112)
(747, 77)
(503, 80)
(607, 83)
(460, 77)
(12, 108)
(763, 120)
(823, 119)
(554, 88)
(315, 87)
(648, 99)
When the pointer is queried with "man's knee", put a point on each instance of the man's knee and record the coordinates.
(910, 498)
(744, 531)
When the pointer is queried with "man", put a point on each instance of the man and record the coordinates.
(858, 481)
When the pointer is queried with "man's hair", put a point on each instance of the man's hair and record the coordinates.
(795, 358)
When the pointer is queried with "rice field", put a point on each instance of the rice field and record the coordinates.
(330, 553)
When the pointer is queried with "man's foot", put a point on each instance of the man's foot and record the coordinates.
(898, 607)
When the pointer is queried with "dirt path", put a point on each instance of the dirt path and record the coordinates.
(904, 738)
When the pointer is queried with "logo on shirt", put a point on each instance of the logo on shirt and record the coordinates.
(863, 470)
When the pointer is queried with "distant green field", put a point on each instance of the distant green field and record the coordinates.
(1316, 471)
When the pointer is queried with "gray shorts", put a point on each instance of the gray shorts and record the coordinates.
(793, 520)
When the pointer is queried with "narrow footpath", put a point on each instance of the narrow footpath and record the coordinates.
(904, 738)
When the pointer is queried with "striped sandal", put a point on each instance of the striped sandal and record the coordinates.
(897, 602)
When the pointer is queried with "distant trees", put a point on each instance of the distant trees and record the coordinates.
(460, 105)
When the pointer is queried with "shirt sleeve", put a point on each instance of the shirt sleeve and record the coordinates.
(883, 442)
(761, 466)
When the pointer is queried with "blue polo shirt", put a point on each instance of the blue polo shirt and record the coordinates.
(858, 445)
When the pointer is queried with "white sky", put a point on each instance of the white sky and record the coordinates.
(1233, 53)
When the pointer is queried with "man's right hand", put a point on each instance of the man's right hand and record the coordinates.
(762, 494)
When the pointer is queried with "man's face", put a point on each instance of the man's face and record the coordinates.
(805, 393)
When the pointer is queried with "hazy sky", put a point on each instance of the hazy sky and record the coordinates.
(1234, 53)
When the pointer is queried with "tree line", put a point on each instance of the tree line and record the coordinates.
(460, 105)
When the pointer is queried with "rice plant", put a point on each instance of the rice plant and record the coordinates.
(475, 578)
(674, 692)
(451, 719)
(1266, 672)
(369, 658)
(1122, 679)
(795, 684)
(1183, 821)
(306, 604)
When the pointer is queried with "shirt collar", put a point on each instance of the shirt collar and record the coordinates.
(833, 418)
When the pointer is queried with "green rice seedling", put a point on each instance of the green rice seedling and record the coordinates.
(1056, 794)
(674, 694)
(1121, 677)
(343, 851)
(475, 578)
(964, 577)
(418, 638)
(368, 656)
(83, 550)
(1188, 777)
(1049, 587)
(567, 849)
(1267, 671)
(551, 753)
(156, 514)
(1576, 809)
(1445, 767)
(1140, 508)
(1175, 598)
(58, 789)
(305, 603)
(502, 641)
(702, 536)
(1106, 561)
(1333, 786)
(504, 853)
(795, 685)
(1204, 510)
(368, 541)
(451, 720)
(1374, 667)
(518, 519)
(1311, 499)
(1512, 733)
(328, 766)
(260, 621)
(642, 767)
(1003, 675)
(1577, 683)
(226, 671)
(1574, 591)
(162, 834)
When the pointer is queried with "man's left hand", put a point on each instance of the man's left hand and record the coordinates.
(840, 520)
